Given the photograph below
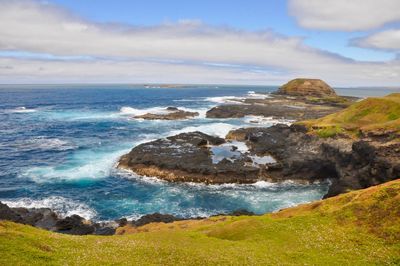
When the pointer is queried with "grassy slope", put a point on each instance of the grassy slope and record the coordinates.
(371, 114)
(357, 228)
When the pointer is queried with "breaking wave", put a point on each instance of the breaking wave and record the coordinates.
(62, 206)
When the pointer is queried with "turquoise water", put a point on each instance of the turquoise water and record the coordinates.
(59, 145)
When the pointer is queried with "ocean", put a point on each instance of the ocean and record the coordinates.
(59, 145)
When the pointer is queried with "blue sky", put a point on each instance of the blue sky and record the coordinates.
(248, 15)
(314, 38)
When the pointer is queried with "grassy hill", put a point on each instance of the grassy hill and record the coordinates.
(357, 228)
(370, 115)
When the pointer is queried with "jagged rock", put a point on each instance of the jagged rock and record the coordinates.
(75, 225)
(122, 222)
(282, 106)
(241, 212)
(172, 113)
(187, 157)
(347, 163)
(6, 213)
(155, 218)
(104, 231)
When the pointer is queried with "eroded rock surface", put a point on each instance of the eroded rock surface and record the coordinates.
(189, 157)
(281, 106)
(170, 113)
(349, 164)
(296, 155)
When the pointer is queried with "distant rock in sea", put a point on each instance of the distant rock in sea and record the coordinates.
(171, 113)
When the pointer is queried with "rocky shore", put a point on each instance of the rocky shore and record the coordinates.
(76, 225)
(354, 147)
(195, 157)
(304, 152)
(170, 113)
(292, 107)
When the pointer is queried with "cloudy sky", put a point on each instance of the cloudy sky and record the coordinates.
(346, 43)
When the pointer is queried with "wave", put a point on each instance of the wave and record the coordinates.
(77, 115)
(126, 110)
(265, 121)
(236, 99)
(43, 143)
(22, 109)
(225, 99)
(62, 206)
(254, 95)
(83, 165)
(214, 129)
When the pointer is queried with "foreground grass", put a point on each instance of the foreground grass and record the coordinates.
(372, 114)
(357, 228)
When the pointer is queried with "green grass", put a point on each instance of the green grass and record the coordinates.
(357, 228)
(372, 114)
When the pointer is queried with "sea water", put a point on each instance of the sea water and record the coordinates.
(59, 145)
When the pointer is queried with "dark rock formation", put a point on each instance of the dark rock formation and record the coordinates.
(155, 218)
(188, 157)
(347, 163)
(281, 106)
(241, 212)
(307, 87)
(172, 113)
(47, 219)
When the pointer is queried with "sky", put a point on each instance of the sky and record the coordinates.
(261, 42)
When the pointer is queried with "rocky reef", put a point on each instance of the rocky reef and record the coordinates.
(194, 157)
(350, 164)
(75, 225)
(275, 154)
(170, 113)
(354, 147)
(305, 104)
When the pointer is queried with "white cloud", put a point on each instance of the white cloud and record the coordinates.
(386, 40)
(346, 15)
(71, 49)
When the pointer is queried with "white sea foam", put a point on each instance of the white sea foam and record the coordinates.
(236, 99)
(126, 110)
(43, 143)
(214, 129)
(62, 206)
(83, 165)
(254, 95)
(77, 115)
(22, 109)
(224, 99)
(159, 110)
(266, 121)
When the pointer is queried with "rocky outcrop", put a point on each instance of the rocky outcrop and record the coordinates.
(47, 219)
(349, 164)
(294, 155)
(155, 218)
(76, 225)
(171, 113)
(281, 106)
(307, 87)
(188, 157)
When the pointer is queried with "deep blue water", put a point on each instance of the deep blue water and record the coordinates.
(59, 145)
